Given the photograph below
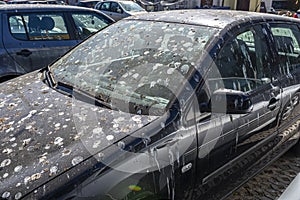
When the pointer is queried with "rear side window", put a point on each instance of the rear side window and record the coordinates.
(287, 40)
(114, 7)
(38, 26)
(104, 6)
(243, 63)
(89, 23)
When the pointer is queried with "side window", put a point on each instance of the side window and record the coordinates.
(286, 38)
(243, 63)
(89, 23)
(38, 27)
(114, 7)
(17, 27)
(104, 6)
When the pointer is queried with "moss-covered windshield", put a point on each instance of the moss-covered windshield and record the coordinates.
(135, 66)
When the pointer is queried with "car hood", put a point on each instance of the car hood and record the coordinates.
(45, 133)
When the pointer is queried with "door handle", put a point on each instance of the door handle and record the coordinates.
(167, 142)
(273, 103)
(186, 168)
(24, 52)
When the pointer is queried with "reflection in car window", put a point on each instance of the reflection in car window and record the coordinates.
(39, 26)
(242, 63)
(286, 39)
(141, 63)
(88, 24)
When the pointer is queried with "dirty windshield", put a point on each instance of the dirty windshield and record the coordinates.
(135, 66)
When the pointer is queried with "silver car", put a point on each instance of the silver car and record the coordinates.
(118, 9)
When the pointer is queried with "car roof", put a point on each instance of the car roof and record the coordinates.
(209, 17)
(41, 7)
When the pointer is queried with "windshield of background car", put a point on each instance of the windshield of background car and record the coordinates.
(131, 7)
(135, 65)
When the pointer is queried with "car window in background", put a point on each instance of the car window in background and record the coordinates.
(131, 7)
(104, 6)
(286, 39)
(88, 23)
(239, 66)
(38, 27)
(114, 7)
(144, 63)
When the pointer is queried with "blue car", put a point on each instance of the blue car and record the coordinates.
(33, 36)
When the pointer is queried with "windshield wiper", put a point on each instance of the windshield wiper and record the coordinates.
(92, 99)
(81, 95)
(49, 77)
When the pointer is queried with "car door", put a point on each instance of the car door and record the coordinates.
(34, 40)
(286, 41)
(231, 142)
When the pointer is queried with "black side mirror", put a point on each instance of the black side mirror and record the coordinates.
(228, 101)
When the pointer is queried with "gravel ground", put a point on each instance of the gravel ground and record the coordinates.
(270, 183)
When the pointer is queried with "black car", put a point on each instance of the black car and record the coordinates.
(32, 36)
(169, 105)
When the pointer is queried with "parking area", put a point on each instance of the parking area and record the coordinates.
(271, 182)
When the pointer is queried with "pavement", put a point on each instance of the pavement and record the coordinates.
(272, 181)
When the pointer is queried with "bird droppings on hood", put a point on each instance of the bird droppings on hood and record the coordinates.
(5, 163)
(18, 168)
(44, 133)
(5, 175)
(77, 160)
(109, 137)
(53, 170)
(18, 195)
(66, 152)
(5, 195)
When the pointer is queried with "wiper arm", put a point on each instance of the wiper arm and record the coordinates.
(49, 77)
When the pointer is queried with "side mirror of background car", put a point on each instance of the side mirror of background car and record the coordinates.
(228, 101)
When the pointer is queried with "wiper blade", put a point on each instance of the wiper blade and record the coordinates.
(97, 100)
(81, 95)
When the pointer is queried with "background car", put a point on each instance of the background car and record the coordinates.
(34, 36)
(297, 14)
(88, 3)
(170, 105)
(119, 9)
(17, 2)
